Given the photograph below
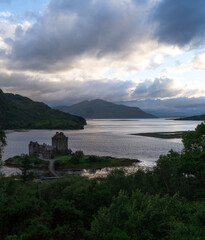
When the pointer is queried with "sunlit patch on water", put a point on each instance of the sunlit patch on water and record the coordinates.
(7, 171)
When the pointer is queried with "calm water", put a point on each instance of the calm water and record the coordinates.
(109, 138)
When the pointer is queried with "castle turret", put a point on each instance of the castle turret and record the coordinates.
(60, 142)
(33, 148)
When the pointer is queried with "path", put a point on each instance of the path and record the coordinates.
(51, 166)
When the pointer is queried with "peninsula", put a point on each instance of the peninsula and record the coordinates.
(58, 156)
(18, 112)
(194, 118)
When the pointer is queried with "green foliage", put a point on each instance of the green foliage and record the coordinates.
(194, 141)
(67, 152)
(165, 203)
(75, 207)
(19, 112)
(77, 157)
(143, 217)
(93, 158)
(18, 161)
(25, 167)
(184, 172)
(2, 142)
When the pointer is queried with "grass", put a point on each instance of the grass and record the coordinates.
(33, 161)
(90, 161)
(66, 162)
(164, 135)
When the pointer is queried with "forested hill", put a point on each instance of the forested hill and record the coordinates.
(100, 109)
(21, 112)
(198, 117)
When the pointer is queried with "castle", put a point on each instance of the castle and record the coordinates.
(59, 143)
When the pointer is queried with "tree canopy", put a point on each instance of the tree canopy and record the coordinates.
(2, 141)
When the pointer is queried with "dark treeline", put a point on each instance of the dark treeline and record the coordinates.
(2, 142)
(165, 203)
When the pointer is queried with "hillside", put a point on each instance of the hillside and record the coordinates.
(21, 112)
(174, 107)
(99, 109)
(197, 117)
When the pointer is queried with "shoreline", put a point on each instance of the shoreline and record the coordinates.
(162, 135)
(123, 162)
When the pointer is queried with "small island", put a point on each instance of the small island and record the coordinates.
(57, 157)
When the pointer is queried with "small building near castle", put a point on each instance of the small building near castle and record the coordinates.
(59, 143)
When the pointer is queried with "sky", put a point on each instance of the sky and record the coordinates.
(116, 50)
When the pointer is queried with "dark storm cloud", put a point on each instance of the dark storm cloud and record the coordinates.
(180, 22)
(72, 29)
(159, 88)
(42, 90)
(76, 28)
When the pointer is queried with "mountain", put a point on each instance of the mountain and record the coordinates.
(21, 112)
(197, 117)
(99, 109)
(175, 107)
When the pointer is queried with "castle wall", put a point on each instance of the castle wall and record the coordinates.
(59, 143)
(33, 148)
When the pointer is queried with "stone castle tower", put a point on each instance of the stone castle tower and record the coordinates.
(60, 142)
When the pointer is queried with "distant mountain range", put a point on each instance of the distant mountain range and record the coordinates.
(17, 112)
(99, 109)
(176, 107)
(197, 117)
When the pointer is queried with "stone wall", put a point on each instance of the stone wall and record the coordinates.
(60, 142)
(33, 148)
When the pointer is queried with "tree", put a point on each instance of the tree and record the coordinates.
(26, 166)
(77, 157)
(2, 142)
(193, 157)
(184, 172)
(143, 216)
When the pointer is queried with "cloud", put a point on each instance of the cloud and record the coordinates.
(85, 49)
(5, 14)
(156, 61)
(198, 62)
(180, 22)
(42, 88)
(56, 88)
(159, 88)
(69, 30)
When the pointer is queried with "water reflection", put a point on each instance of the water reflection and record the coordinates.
(97, 173)
(103, 172)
